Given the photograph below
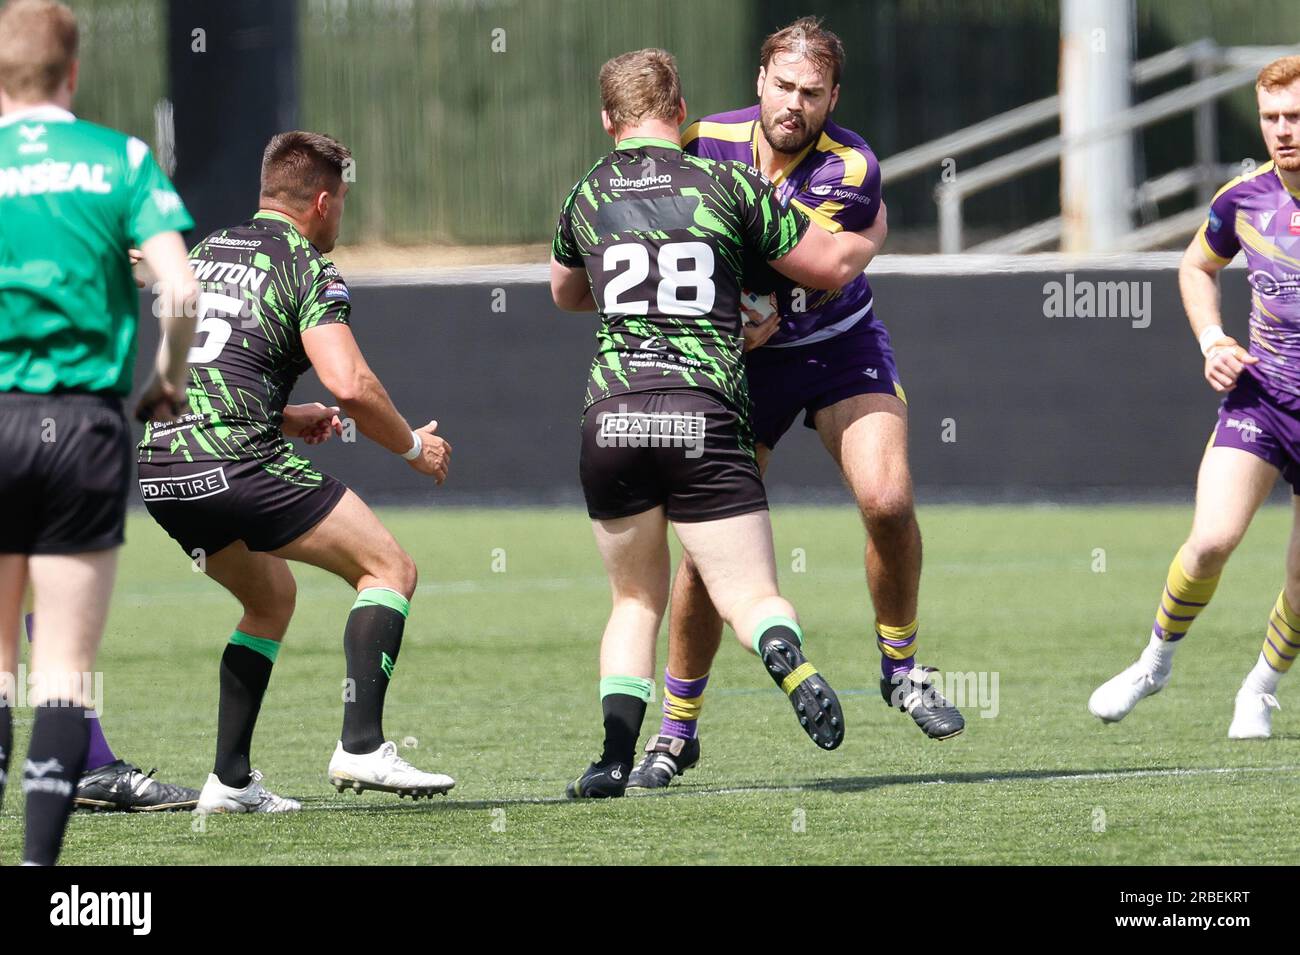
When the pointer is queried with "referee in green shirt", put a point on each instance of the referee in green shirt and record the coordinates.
(74, 197)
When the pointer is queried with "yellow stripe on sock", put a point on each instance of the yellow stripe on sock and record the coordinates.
(797, 676)
(1175, 626)
(1185, 587)
(682, 709)
(1275, 660)
(885, 632)
(1288, 619)
(1180, 586)
(1283, 620)
(896, 633)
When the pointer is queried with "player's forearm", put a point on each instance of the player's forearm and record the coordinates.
(177, 335)
(177, 293)
(1200, 294)
(859, 248)
(366, 401)
(854, 250)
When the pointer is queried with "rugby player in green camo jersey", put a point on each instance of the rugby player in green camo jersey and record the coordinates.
(74, 197)
(225, 483)
(659, 243)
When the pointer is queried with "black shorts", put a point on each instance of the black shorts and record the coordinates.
(65, 466)
(208, 505)
(682, 450)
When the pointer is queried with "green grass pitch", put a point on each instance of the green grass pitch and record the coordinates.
(496, 685)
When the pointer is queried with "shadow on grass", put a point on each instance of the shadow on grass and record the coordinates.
(849, 784)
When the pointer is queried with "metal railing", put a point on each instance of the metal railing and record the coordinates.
(1203, 57)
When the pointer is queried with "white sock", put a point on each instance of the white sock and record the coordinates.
(1159, 655)
(1263, 678)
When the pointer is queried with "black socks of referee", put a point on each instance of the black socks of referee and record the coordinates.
(371, 640)
(245, 671)
(56, 757)
(6, 743)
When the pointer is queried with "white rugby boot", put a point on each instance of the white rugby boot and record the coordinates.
(384, 771)
(1115, 699)
(1252, 714)
(216, 796)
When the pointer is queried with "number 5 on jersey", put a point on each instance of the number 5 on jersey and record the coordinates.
(215, 310)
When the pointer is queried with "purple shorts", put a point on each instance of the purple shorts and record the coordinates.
(807, 378)
(1251, 420)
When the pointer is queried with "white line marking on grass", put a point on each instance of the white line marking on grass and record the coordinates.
(1140, 773)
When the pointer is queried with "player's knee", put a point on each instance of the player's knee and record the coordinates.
(402, 573)
(1205, 554)
(286, 596)
(748, 612)
(642, 600)
(887, 511)
(268, 614)
(647, 591)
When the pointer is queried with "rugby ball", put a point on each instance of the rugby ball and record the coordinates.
(756, 308)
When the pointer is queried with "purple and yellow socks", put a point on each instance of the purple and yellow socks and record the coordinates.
(1181, 603)
(1281, 645)
(683, 700)
(897, 648)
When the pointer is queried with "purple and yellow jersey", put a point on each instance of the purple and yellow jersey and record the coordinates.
(1255, 213)
(836, 181)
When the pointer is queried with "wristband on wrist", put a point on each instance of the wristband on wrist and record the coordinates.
(416, 447)
(1209, 337)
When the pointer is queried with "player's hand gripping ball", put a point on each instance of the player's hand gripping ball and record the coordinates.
(759, 318)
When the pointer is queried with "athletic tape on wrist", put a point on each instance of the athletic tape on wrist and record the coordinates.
(1208, 337)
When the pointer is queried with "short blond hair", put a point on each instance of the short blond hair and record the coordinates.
(1281, 72)
(38, 45)
(640, 85)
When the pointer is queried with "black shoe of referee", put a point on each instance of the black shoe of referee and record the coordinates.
(600, 782)
(814, 702)
(913, 692)
(121, 787)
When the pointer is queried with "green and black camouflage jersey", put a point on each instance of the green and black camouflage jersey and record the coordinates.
(262, 285)
(666, 240)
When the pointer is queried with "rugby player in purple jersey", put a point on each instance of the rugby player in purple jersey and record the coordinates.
(824, 355)
(1257, 436)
